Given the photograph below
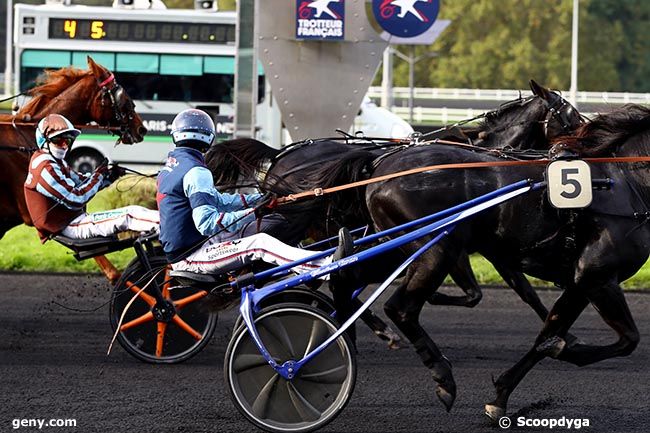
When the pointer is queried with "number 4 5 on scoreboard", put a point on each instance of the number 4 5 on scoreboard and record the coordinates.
(569, 184)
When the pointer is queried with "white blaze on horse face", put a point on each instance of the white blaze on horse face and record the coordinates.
(408, 7)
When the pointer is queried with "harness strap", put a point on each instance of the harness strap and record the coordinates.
(462, 165)
(107, 81)
(82, 127)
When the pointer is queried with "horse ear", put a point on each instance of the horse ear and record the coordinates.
(98, 71)
(537, 89)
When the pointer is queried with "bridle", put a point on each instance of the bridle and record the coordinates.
(114, 93)
(561, 115)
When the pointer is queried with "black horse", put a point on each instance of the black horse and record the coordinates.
(521, 126)
(586, 252)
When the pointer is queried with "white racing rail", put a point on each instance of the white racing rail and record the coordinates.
(509, 95)
(446, 115)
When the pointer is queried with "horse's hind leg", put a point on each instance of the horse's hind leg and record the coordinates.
(462, 274)
(404, 308)
(378, 326)
(612, 307)
(520, 284)
(565, 311)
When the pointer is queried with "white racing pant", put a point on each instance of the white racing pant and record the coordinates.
(216, 257)
(110, 222)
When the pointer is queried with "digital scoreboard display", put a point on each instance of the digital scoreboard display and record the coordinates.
(140, 31)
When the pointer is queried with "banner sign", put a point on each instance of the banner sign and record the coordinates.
(320, 19)
(406, 18)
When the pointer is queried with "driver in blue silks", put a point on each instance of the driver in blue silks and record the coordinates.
(199, 226)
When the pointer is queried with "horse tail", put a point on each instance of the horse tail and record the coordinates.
(240, 158)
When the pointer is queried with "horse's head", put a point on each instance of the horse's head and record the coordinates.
(562, 118)
(111, 106)
(529, 123)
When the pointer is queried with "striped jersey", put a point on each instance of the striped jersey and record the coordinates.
(56, 194)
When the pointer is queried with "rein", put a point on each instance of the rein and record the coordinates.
(317, 192)
(34, 149)
(89, 127)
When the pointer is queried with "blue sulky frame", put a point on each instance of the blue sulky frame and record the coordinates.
(440, 224)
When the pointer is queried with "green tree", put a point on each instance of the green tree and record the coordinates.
(506, 43)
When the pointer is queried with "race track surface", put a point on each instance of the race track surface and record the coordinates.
(53, 364)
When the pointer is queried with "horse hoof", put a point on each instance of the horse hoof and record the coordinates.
(447, 397)
(494, 413)
(552, 347)
(391, 337)
(394, 345)
(572, 340)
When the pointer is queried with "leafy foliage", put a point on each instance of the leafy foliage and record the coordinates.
(504, 44)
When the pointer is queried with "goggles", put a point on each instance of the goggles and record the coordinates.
(62, 140)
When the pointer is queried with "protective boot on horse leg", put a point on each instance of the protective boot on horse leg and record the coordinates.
(406, 319)
(404, 308)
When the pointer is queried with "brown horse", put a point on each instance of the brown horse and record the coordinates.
(81, 96)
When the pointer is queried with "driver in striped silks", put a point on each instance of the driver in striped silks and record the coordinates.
(56, 195)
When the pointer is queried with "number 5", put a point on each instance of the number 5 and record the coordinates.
(569, 184)
(577, 188)
(97, 29)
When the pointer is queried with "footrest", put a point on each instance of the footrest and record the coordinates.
(92, 247)
(194, 276)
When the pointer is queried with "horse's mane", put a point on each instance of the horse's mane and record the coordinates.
(607, 131)
(231, 160)
(50, 84)
(497, 118)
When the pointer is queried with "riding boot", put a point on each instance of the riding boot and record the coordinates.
(344, 282)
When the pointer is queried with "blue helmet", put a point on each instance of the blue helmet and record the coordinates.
(51, 126)
(191, 126)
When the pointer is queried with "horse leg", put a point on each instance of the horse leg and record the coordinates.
(462, 274)
(610, 303)
(564, 313)
(378, 326)
(520, 284)
(404, 308)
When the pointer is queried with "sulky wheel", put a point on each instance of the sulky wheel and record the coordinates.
(319, 391)
(160, 338)
(295, 295)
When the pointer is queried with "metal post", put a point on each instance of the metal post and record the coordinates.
(574, 55)
(246, 87)
(387, 79)
(9, 48)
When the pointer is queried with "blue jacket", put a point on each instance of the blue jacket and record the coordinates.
(191, 209)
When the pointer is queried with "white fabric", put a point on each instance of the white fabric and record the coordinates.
(107, 223)
(58, 152)
(216, 257)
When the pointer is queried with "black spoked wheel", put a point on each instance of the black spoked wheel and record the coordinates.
(168, 338)
(321, 388)
(295, 295)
